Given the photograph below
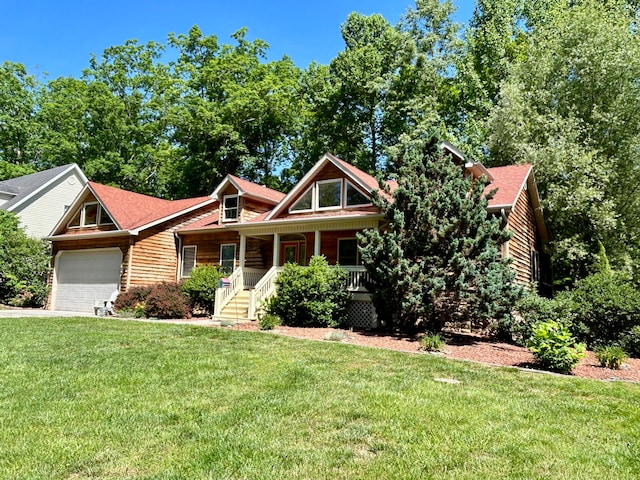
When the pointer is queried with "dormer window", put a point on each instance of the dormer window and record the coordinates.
(230, 208)
(90, 215)
(328, 195)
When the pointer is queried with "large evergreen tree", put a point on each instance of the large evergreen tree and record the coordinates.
(438, 259)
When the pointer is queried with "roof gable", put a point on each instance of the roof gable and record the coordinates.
(23, 188)
(132, 211)
(509, 182)
(249, 189)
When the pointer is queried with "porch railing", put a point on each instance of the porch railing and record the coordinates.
(262, 290)
(225, 294)
(357, 278)
(252, 276)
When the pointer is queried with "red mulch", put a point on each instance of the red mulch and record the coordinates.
(471, 347)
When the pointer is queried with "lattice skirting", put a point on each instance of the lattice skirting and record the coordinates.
(361, 312)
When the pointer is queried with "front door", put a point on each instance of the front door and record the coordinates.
(290, 252)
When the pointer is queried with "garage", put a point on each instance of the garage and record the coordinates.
(85, 276)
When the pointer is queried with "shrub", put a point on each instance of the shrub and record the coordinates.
(24, 265)
(268, 321)
(166, 300)
(630, 342)
(554, 347)
(610, 356)
(530, 310)
(606, 305)
(201, 286)
(129, 300)
(431, 343)
(311, 296)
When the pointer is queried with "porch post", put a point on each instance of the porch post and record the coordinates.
(276, 249)
(243, 249)
(316, 243)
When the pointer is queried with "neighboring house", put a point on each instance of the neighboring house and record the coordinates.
(112, 239)
(252, 231)
(40, 199)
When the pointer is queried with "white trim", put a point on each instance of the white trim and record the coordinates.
(317, 184)
(182, 257)
(170, 217)
(224, 208)
(85, 236)
(306, 210)
(347, 183)
(235, 253)
(73, 166)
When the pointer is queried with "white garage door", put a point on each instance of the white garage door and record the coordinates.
(84, 276)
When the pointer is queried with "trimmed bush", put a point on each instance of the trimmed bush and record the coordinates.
(129, 300)
(201, 287)
(554, 347)
(166, 300)
(311, 296)
(610, 356)
(606, 306)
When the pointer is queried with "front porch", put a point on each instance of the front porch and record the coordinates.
(242, 297)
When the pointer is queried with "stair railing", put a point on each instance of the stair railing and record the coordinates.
(265, 288)
(225, 294)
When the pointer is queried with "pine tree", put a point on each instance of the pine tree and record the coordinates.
(438, 258)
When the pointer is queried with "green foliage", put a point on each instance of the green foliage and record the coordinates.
(605, 305)
(630, 341)
(166, 300)
(610, 356)
(201, 286)
(431, 343)
(438, 260)
(268, 321)
(130, 299)
(554, 347)
(24, 265)
(311, 296)
(569, 106)
(530, 310)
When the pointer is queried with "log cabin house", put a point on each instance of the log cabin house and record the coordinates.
(252, 231)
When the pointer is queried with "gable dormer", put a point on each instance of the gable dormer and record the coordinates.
(241, 200)
(90, 213)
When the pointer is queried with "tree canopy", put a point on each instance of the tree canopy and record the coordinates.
(552, 82)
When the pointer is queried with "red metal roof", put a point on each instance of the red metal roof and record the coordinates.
(133, 210)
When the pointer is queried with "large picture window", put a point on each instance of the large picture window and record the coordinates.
(330, 194)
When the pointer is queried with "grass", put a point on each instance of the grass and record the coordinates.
(104, 398)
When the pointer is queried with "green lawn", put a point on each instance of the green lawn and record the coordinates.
(104, 398)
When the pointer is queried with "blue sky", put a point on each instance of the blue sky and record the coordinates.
(57, 37)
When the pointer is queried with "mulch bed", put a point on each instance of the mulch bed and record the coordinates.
(462, 346)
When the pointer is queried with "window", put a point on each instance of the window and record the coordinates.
(535, 266)
(354, 197)
(348, 251)
(304, 203)
(90, 215)
(329, 194)
(230, 210)
(228, 256)
(188, 260)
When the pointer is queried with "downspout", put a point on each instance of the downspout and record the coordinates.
(130, 262)
(178, 239)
